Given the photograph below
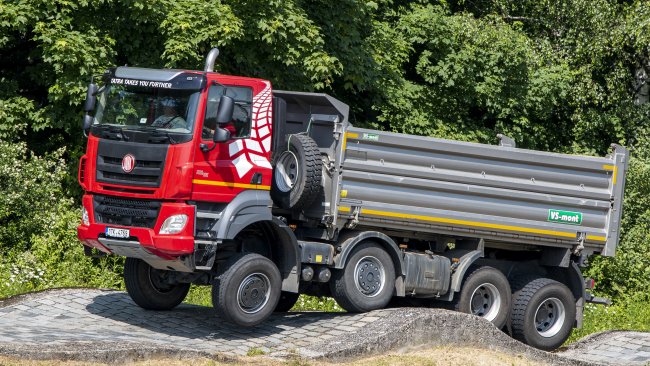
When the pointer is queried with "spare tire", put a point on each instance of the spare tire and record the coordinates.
(297, 174)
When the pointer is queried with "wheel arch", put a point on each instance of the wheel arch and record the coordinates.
(247, 208)
(349, 240)
(284, 250)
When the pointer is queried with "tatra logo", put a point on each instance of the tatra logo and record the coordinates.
(128, 163)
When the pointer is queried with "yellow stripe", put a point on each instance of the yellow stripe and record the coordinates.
(471, 223)
(352, 135)
(344, 193)
(613, 169)
(231, 184)
(596, 237)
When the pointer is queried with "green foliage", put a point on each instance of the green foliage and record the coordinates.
(56, 259)
(313, 303)
(38, 240)
(254, 351)
(201, 295)
(628, 272)
(30, 187)
(631, 313)
(475, 77)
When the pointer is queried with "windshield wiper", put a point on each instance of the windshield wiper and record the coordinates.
(112, 132)
(157, 136)
(161, 136)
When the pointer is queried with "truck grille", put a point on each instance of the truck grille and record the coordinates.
(126, 211)
(148, 168)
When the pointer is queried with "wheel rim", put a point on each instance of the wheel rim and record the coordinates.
(158, 280)
(254, 292)
(549, 317)
(286, 171)
(369, 276)
(486, 301)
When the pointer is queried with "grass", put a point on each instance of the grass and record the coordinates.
(632, 313)
(254, 351)
(201, 295)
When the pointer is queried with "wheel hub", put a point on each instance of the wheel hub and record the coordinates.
(369, 276)
(160, 280)
(254, 292)
(486, 301)
(287, 171)
(549, 317)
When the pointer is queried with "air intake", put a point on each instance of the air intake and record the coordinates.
(210, 59)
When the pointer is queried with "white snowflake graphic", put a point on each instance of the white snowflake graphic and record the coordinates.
(255, 150)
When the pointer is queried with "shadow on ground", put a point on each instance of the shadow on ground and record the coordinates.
(199, 322)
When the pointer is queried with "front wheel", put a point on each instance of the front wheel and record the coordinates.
(543, 313)
(367, 281)
(247, 289)
(150, 288)
(485, 293)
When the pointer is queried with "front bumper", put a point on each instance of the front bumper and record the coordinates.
(165, 247)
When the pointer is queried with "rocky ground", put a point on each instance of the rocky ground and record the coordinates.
(106, 326)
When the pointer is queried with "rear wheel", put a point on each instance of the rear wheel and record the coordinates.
(367, 281)
(150, 288)
(543, 313)
(485, 293)
(247, 289)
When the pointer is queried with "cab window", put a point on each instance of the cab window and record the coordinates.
(240, 125)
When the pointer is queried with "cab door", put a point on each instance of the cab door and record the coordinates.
(242, 162)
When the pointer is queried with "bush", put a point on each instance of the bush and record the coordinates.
(630, 313)
(30, 187)
(628, 272)
(39, 248)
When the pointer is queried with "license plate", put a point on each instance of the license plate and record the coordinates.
(117, 233)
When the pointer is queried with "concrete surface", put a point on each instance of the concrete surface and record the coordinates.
(106, 326)
(612, 347)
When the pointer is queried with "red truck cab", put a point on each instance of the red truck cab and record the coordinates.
(143, 182)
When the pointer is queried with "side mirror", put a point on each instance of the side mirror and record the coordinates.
(226, 109)
(221, 135)
(91, 98)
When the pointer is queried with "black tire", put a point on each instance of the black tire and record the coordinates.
(372, 259)
(146, 286)
(287, 301)
(485, 293)
(297, 174)
(543, 314)
(238, 285)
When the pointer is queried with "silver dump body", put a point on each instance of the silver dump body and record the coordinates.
(413, 185)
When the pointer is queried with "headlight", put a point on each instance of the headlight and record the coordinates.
(173, 225)
(84, 216)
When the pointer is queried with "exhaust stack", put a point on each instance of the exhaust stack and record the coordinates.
(210, 59)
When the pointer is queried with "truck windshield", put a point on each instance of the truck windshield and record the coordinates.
(147, 109)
